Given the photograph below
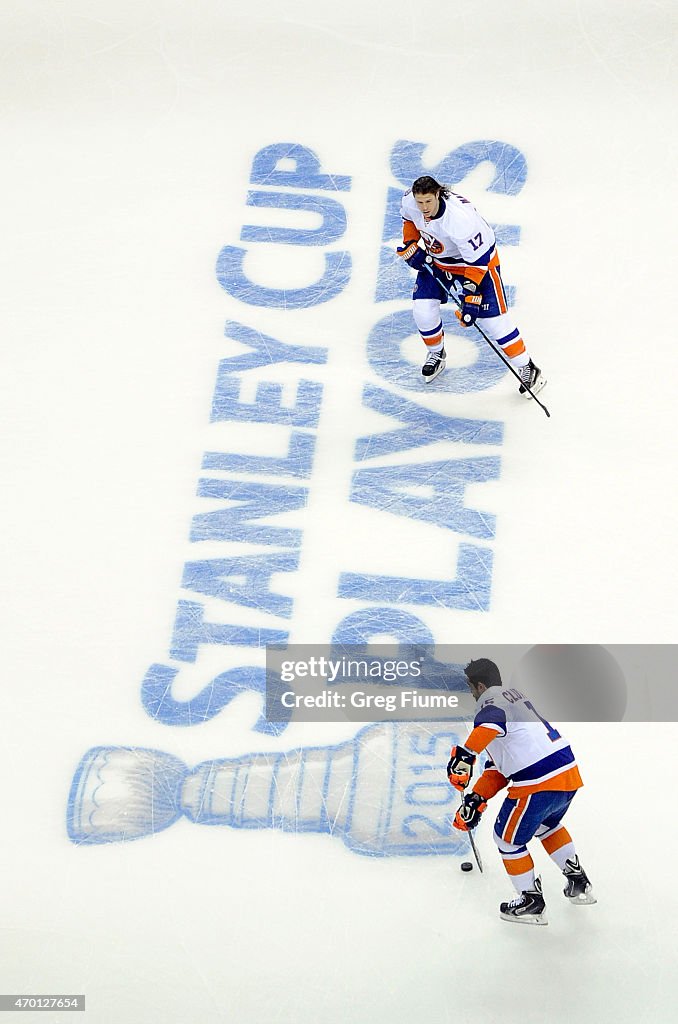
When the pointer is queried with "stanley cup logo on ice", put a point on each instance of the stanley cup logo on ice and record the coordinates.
(381, 792)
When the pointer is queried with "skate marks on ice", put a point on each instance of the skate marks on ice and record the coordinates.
(286, 387)
(383, 792)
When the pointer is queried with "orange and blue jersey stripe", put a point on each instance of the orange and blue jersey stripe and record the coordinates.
(558, 771)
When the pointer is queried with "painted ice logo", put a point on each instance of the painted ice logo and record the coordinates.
(381, 792)
(431, 492)
(249, 531)
(271, 167)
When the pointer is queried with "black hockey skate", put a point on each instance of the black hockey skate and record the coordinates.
(578, 889)
(434, 365)
(528, 908)
(531, 376)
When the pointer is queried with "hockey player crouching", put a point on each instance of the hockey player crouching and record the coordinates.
(459, 255)
(537, 764)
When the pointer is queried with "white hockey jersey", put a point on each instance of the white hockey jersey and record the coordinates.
(524, 748)
(457, 234)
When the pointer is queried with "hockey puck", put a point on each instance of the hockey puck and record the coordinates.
(467, 866)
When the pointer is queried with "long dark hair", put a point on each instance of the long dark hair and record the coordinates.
(426, 185)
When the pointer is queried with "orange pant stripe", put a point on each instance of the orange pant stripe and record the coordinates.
(496, 280)
(514, 820)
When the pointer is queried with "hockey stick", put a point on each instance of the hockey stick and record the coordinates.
(494, 347)
(475, 851)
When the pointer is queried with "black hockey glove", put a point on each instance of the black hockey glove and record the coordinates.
(460, 767)
(469, 814)
(413, 255)
(470, 304)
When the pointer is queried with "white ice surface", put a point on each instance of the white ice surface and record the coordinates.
(129, 133)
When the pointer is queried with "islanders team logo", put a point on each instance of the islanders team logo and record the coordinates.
(432, 244)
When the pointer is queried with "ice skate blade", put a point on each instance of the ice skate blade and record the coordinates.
(585, 899)
(525, 918)
(535, 388)
(432, 376)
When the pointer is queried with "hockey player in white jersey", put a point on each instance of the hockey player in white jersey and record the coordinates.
(445, 234)
(530, 756)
